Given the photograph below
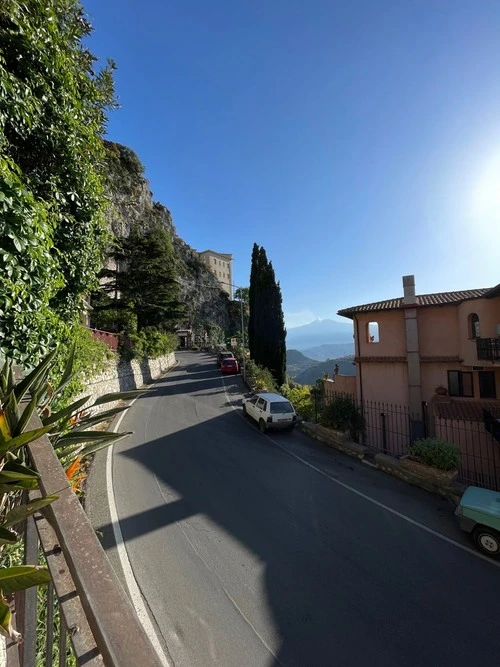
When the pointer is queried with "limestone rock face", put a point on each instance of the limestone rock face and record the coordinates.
(209, 308)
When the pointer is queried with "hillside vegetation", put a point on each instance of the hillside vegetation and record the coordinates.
(313, 373)
(296, 362)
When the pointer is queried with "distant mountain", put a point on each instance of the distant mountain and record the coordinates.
(296, 362)
(319, 332)
(310, 375)
(329, 351)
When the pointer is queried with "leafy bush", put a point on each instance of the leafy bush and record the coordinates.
(437, 453)
(259, 376)
(301, 398)
(343, 414)
(149, 343)
(90, 358)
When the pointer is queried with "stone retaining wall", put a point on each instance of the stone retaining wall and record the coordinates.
(126, 376)
(335, 439)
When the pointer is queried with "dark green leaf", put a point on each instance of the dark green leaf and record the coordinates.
(21, 577)
(56, 417)
(85, 422)
(66, 376)
(22, 511)
(23, 439)
(95, 447)
(120, 396)
(7, 537)
(31, 378)
(78, 437)
(26, 416)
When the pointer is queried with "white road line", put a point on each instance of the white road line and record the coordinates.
(130, 580)
(372, 500)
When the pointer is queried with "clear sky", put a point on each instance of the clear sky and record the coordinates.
(356, 140)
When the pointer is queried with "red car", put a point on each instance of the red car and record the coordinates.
(229, 366)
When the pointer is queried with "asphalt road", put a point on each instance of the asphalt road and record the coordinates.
(250, 550)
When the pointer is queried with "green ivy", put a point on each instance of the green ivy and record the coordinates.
(52, 117)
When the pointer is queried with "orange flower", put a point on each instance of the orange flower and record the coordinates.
(76, 474)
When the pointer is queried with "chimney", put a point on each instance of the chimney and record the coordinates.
(409, 290)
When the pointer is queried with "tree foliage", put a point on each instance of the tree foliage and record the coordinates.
(52, 115)
(143, 281)
(266, 331)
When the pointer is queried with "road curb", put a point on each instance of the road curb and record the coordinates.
(383, 462)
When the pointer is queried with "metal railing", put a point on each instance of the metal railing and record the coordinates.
(488, 349)
(96, 613)
(112, 340)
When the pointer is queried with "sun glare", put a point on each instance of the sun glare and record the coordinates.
(485, 205)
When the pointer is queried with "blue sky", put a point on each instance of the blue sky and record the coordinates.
(357, 140)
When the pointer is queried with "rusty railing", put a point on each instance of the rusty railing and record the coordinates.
(96, 613)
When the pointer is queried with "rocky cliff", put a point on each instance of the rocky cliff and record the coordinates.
(209, 308)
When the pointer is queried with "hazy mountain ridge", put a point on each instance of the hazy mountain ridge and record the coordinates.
(296, 362)
(313, 373)
(321, 332)
(329, 351)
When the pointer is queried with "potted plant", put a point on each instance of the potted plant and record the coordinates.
(433, 457)
(441, 391)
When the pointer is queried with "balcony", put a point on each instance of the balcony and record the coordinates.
(488, 349)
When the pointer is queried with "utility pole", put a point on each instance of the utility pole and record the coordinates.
(242, 326)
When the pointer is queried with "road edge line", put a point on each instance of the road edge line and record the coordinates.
(128, 573)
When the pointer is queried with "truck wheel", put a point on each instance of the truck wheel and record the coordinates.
(262, 426)
(244, 409)
(487, 541)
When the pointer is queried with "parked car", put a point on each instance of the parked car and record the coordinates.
(479, 514)
(229, 367)
(224, 354)
(270, 411)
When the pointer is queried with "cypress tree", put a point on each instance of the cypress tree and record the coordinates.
(268, 333)
(252, 321)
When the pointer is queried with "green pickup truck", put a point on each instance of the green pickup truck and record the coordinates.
(479, 514)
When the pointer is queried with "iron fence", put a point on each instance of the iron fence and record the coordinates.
(391, 428)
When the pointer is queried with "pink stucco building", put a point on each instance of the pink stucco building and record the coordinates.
(437, 357)
(408, 346)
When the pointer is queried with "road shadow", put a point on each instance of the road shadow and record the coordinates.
(342, 586)
(126, 378)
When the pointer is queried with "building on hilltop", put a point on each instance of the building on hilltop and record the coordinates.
(221, 265)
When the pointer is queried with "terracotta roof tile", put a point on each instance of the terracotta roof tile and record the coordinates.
(494, 291)
(465, 410)
(437, 299)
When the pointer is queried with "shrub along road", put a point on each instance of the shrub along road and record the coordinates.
(256, 550)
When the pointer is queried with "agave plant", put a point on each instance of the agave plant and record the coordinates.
(70, 432)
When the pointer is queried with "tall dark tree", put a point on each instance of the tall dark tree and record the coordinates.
(252, 290)
(145, 280)
(268, 346)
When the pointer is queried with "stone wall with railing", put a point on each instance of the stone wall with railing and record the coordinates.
(126, 376)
